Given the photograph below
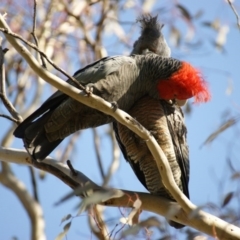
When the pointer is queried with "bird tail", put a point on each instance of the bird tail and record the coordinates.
(34, 138)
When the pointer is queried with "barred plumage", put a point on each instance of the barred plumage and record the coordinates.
(165, 121)
(119, 79)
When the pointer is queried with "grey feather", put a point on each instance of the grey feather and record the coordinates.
(118, 79)
(151, 38)
(100, 69)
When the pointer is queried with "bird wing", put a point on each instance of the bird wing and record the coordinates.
(89, 74)
(134, 165)
(178, 133)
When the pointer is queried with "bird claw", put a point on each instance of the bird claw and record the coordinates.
(88, 90)
(152, 133)
(114, 106)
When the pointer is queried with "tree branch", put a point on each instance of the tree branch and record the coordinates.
(199, 219)
(10, 118)
(7, 31)
(97, 151)
(235, 12)
(16, 117)
(115, 158)
(34, 28)
(33, 208)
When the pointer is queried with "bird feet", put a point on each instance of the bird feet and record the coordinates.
(88, 90)
(114, 106)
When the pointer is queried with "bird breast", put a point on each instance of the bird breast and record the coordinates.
(150, 113)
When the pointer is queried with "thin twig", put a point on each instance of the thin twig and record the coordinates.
(33, 30)
(92, 2)
(235, 12)
(16, 116)
(99, 29)
(34, 183)
(96, 146)
(10, 118)
(34, 17)
(6, 31)
(100, 230)
(87, 36)
(32, 207)
(74, 172)
(65, 153)
(115, 158)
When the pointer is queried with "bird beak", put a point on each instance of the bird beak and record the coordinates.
(181, 103)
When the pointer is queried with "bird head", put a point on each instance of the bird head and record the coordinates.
(184, 83)
(187, 82)
(151, 38)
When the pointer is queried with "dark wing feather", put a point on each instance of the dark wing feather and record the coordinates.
(35, 129)
(89, 74)
(50, 104)
(134, 165)
(166, 123)
(178, 132)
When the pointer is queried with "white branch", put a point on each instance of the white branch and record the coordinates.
(33, 208)
(200, 220)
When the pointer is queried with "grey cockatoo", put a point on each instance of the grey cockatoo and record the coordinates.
(138, 84)
(120, 79)
(165, 121)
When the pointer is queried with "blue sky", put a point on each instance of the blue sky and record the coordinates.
(209, 173)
